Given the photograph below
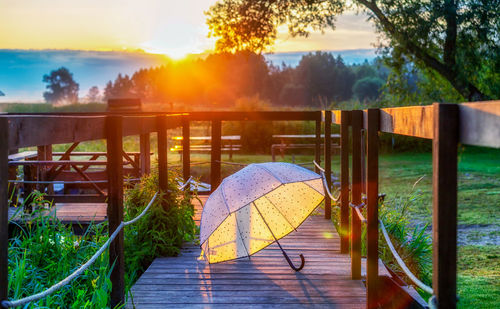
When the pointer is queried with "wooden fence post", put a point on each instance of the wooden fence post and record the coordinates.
(186, 151)
(4, 208)
(114, 143)
(162, 154)
(345, 118)
(215, 154)
(357, 122)
(145, 149)
(317, 149)
(372, 208)
(444, 219)
(328, 162)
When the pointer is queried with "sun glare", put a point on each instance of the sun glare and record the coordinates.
(172, 53)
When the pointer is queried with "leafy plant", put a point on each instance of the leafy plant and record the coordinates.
(411, 242)
(165, 227)
(43, 251)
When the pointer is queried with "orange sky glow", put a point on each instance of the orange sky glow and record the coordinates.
(174, 28)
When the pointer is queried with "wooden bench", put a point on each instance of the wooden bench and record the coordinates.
(124, 105)
(228, 147)
(286, 138)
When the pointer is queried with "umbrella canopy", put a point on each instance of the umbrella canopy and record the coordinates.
(255, 207)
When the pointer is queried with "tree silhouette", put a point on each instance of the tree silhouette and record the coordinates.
(61, 87)
(94, 95)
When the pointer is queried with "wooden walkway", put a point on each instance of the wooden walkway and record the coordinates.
(263, 281)
(81, 213)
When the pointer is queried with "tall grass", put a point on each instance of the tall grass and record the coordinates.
(412, 242)
(43, 251)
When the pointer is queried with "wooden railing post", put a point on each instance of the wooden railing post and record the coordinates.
(345, 118)
(357, 123)
(162, 154)
(328, 162)
(114, 143)
(186, 151)
(444, 218)
(4, 208)
(44, 153)
(317, 148)
(145, 156)
(372, 208)
(215, 154)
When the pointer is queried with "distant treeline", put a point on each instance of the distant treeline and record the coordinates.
(220, 79)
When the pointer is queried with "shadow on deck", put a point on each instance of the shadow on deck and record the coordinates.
(264, 280)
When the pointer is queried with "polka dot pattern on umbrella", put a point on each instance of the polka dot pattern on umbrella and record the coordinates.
(256, 205)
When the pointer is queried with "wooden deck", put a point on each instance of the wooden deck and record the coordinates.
(75, 213)
(263, 281)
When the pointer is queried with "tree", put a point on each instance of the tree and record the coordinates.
(458, 40)
(94, 95)
(61, 87)
(324, 77)
(121, 88)
(252, 25)
(367, 88)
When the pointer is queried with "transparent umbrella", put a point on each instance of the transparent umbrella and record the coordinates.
(255, 207)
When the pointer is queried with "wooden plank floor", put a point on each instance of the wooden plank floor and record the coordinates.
(263, 281)
(83, 213)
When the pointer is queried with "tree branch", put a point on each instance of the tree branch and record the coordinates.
(447, 69)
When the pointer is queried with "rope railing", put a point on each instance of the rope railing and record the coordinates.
(190, 163)
(187, 183)
(357, 208)
(402, 264)
(325, 185)
(81, 269)
(318, 166)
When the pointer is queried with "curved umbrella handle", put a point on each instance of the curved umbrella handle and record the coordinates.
(302, 262)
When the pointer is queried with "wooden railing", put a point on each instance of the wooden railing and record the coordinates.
(18, 131)
(447, 125)
(26, 130)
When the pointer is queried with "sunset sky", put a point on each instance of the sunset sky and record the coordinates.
(174, 28)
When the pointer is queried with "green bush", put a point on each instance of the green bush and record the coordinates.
(165, 227)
